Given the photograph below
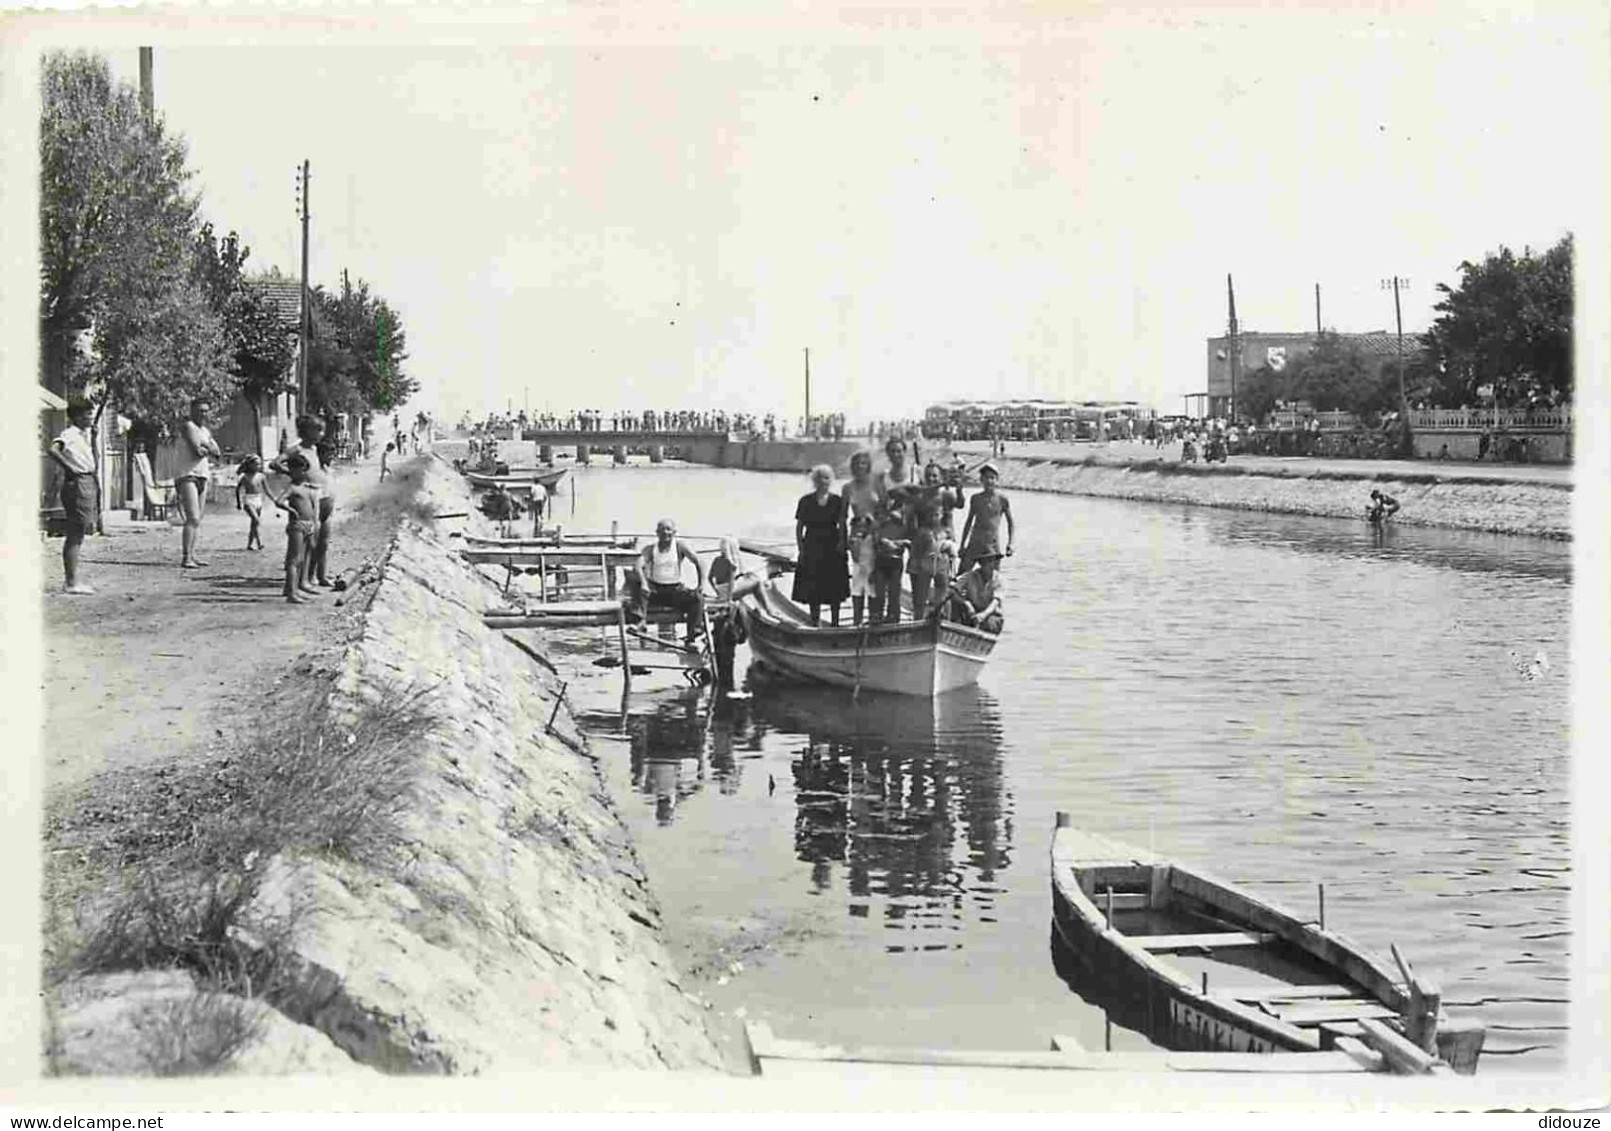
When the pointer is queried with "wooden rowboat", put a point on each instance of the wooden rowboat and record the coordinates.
(1202, 965)
(924, 658)
(518, 477)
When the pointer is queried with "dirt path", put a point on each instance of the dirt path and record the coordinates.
(162, 661)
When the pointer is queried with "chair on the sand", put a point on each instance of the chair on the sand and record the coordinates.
(157, 494)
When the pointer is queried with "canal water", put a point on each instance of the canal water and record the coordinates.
(1280, 701)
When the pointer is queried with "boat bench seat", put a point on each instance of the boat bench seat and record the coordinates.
(1318, 1012)
(1159, 944)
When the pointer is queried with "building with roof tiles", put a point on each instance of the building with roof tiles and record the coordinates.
(1278, 350)
(239, 432)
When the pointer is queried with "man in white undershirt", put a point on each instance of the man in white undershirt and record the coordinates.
(660, 565)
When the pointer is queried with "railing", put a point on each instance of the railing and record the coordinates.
(1333, 420)
(1476, 419)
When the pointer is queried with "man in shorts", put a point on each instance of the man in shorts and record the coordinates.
(198, 448)
(81, 496)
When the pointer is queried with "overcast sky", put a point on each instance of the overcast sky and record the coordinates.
(670, 224)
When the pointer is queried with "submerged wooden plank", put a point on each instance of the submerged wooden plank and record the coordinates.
(1157, 944)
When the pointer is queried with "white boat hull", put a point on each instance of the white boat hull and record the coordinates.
(924, 658)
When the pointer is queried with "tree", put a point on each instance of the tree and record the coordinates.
(355, 362)
(116, 222)
(260, 346)
(1508, 324)
(1333, 375)
(1257, 392)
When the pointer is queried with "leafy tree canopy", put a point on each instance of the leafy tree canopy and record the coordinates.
(117, 224)
(358, 352)
(1508, 324)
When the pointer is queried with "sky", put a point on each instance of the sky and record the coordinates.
(1043, 205)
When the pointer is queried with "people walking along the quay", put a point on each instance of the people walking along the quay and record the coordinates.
(196, 441)
(80, 496)
(819, 537)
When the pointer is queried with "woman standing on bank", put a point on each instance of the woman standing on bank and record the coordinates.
(820, 577)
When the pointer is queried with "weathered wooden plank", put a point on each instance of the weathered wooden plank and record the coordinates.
(1330, 948)
(1158, 944)
(1066, 1055)
(1285, 993)
(534, 556)
(1402, 1055)
(1314, 1012)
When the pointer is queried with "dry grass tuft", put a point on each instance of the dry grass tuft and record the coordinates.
(332, 782)
(197, 1035)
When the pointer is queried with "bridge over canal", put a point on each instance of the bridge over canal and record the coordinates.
(714, 449)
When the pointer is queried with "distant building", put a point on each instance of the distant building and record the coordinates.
(237, 432)
(1280, 350)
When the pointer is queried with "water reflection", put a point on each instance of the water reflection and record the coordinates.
(1463, 550)
(668, 752)
(900, 804)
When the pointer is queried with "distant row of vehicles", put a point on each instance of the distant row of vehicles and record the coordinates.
(1030, 420)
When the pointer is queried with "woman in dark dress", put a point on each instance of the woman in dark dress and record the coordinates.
(820, 577)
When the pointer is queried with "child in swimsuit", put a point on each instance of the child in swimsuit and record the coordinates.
(249, 489)
(301, 503)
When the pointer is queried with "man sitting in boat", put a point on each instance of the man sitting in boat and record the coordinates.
(973, 599)
(660, 567)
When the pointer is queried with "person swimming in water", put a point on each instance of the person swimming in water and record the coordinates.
(1382, 507)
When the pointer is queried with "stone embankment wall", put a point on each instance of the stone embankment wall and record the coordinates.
(1537, 509)
(519, 931)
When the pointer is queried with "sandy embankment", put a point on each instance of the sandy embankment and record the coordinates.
(1541, 510)
(504, 925)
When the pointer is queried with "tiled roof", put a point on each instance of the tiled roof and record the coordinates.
(284, 294)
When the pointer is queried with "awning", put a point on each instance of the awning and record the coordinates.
(50, 399)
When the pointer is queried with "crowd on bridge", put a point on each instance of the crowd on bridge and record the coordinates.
(735, 425)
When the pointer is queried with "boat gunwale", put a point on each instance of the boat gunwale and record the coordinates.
(930, 631)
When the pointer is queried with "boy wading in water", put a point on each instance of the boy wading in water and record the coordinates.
(301, 503)
(250, 488)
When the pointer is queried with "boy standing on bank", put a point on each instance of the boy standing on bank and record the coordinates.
(301, 504)
(81, 498)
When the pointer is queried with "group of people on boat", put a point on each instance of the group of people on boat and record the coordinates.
(857, 542)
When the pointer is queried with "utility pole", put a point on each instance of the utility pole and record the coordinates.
(147, 97)
(1398, 317)
(1236, 346)
(808, 388)
(1317, 310)
(307, 315)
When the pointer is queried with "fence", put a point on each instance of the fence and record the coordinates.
(1333, 420)
(1476, 419)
